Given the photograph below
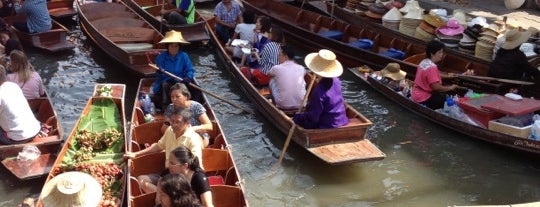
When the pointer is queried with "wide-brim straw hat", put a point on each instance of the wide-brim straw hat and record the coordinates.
(72, 189)
(434, 20)
(324, 63)
(173, 37)
(513, 4)
(393, 15)
(514, 38)
(452, 28)
(393, 71)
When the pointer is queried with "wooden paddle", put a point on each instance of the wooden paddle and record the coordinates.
(518, 82)
(291, 131)
(200, 89)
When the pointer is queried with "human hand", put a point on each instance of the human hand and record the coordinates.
(129, 155)
(186, 80)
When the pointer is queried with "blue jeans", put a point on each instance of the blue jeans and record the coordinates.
(224, 33)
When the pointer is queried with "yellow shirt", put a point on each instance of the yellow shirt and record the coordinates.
(189, 139)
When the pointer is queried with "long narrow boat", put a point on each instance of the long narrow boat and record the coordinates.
(150, 10)
(217, 158)
(313, 31)
(475, 131)
(48, 145)
(103, 115)
(53, 40)
(341, 145)
(61, 9)
(121, 33)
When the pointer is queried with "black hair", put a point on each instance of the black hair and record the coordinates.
(288, 51)
(266, 24)
(248, 16)
(184, 155)
(433, 47)
(178, 188)
(277, 34)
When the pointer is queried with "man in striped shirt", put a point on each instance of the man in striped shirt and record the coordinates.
(38, 19)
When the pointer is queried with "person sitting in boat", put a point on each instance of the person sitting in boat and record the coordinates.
(6, 8)
(176, 62)
(394, 75)
(178, 134)
(38, 19)
(510, 62)
(267, 59)
(428, 89)
(325, 107)
(9, 44)
(260, 38)
(182, 161)
(182, 13)
(243, 31)
(228, 14)
(199, 121)
(17, 121)
(174, 190)
(287, 82)
(24, 75)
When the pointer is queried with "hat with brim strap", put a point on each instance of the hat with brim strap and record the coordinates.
(173, 37)
(514, 38)
(513, 4)
(393, 71)
(72, 189)
(324, 63)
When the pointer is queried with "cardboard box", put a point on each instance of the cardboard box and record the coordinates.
(523, 132)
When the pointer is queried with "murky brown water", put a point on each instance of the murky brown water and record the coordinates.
(426, 164)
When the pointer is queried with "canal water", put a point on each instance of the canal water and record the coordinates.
(426, 164)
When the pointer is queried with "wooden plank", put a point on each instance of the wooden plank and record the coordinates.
(340, 153)
(30, 169)
(129, 34)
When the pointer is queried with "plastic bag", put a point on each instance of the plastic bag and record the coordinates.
(535, 130)
(29, 152)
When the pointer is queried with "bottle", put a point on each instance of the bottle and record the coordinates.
(469, 93)
(447, 104)
(146, 104)
(152, 108)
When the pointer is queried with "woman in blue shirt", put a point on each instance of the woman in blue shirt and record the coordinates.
(176, 62)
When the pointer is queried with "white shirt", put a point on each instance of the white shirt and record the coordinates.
(288, 85)
(245, 31)
(16, 117)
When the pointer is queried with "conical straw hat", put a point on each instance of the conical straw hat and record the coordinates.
(513, 4)
(393, 15)
(173, 37)
(408, 5)
(324, 63)
(72, 189)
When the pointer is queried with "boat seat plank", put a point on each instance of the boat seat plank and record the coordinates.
(148, 164)
(135, 47)
(226, 196)
(129, 34)
(30, 169)
(362, 150)
(144, 200)
(117, 22)
(94, 15)
(216, 161)
(147, 133)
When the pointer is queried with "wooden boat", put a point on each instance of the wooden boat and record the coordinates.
(110, 108)
(475, 131)
(48, 145)
(531, 204)
(217, 158)
(149, 10)
(307, 29)
(342, 145)
(61, 9)
(122, 34)
(53, 40)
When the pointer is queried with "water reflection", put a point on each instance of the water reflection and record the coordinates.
(426, 164)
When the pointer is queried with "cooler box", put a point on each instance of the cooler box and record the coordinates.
(523, 132)
(472, 107)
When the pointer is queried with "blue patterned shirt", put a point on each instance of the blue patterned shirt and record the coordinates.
(38, 19)
(225, 15)
(179, 65)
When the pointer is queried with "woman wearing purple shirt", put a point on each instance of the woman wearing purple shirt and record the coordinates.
(326, 107)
